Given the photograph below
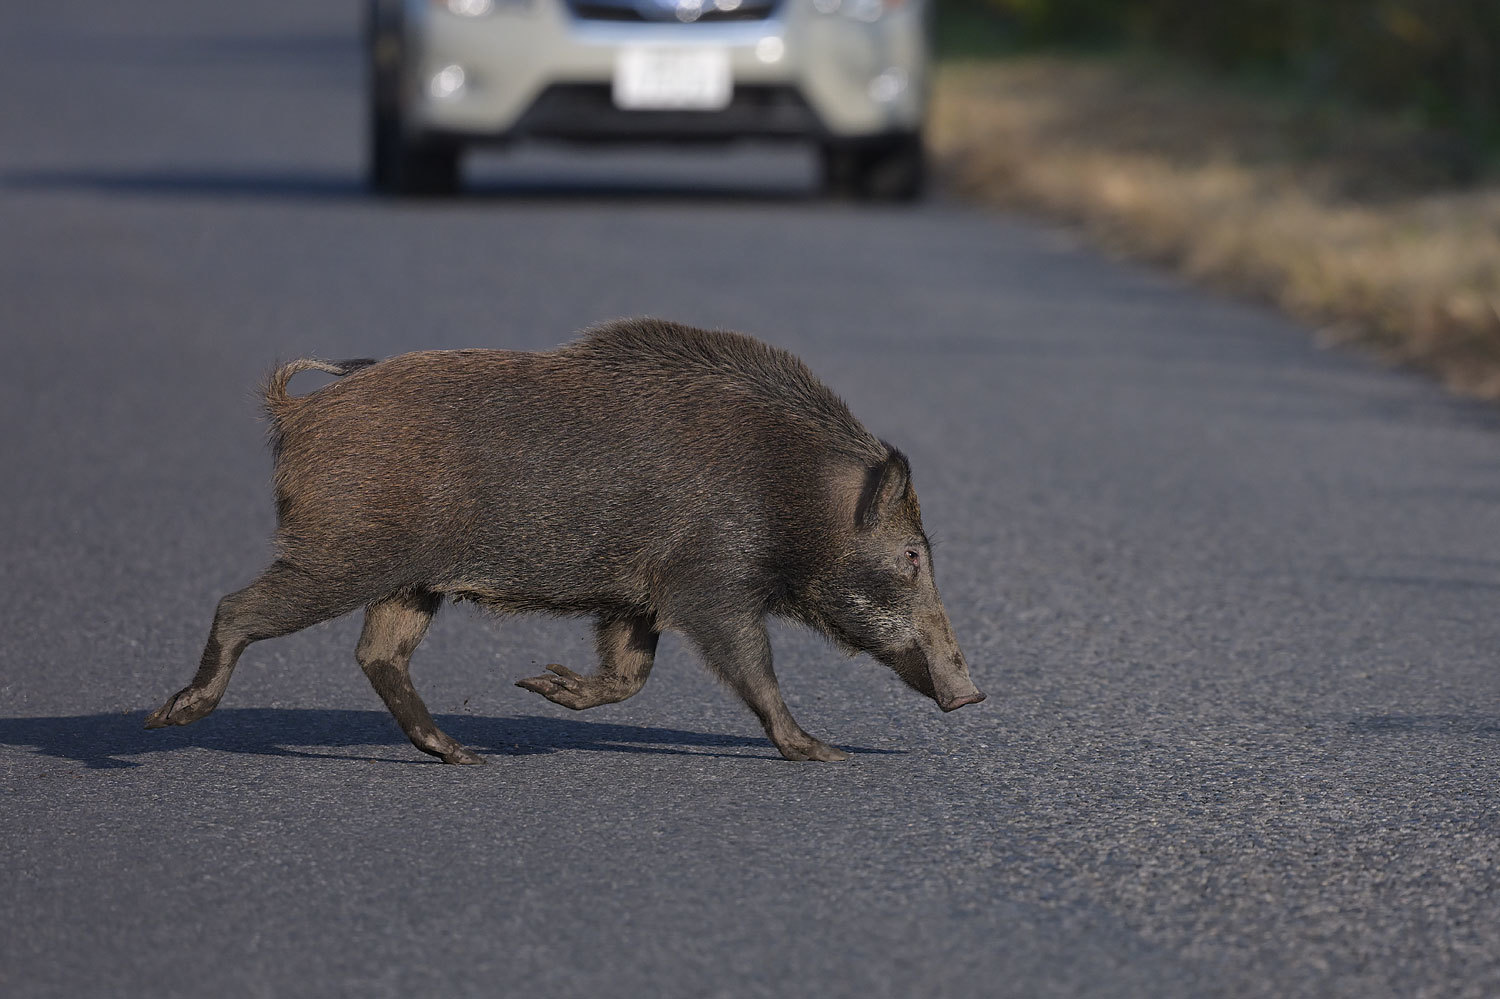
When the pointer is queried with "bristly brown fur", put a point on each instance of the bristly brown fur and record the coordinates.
(748, 370)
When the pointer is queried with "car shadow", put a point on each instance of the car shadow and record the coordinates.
(309, 185)
(104, 741)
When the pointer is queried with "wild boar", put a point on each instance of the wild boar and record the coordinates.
(650, 475)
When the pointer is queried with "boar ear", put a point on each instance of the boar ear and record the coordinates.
(885, 486)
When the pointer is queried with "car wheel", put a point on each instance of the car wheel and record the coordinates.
(380, 167)
(841, 170)
(892, 169)
(382, 90)
(397, 162)
(895, 171)
(427, 168)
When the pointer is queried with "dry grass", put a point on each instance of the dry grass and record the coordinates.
(1355, 224)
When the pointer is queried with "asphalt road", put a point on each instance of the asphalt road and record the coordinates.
(1233, 597)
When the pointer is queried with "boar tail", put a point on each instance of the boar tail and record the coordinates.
(274, 389)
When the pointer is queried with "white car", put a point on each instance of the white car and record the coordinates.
(848, 75)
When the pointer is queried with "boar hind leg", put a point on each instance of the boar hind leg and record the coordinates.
(627, 648)
(283, 600)
(393, 629)
(740, 653)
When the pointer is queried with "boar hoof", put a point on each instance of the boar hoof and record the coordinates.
(182, 708)
(565, 687)
(461, 755)
(812, 749)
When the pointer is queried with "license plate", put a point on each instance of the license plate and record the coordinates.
(672, 79)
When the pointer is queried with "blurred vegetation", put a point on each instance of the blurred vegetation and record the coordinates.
(1436, 59)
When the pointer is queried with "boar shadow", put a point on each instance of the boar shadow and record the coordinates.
(113, 739)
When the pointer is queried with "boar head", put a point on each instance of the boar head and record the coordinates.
(880, 596)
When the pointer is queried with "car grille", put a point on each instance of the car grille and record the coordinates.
(669, 10)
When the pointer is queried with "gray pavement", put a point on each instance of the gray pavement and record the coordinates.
(1232, 597)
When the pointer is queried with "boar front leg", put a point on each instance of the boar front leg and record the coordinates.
(393, 629)
(627, 649)
(740, 653)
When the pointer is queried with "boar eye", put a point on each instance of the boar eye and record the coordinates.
(914, 557)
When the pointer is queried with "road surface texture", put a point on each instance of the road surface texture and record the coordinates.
(1233, 598)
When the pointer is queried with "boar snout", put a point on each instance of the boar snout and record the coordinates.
(952, 688)
(949, 671)
(958, 702)
(945, 679)
(939, 672)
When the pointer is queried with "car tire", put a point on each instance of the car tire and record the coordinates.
(893, 169)
(397, 162)
(426, 169)
(841, 171)
(896, 170)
